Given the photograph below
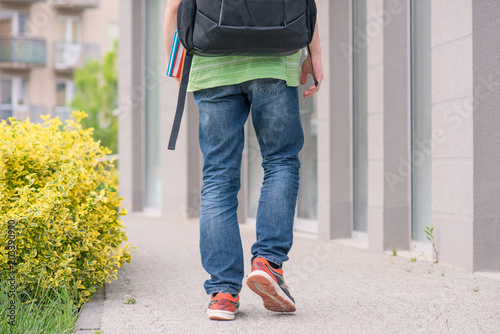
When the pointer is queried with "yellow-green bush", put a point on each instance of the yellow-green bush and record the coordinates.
(62, 195)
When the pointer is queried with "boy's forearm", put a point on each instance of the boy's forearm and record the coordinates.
(315, 45)
(170, 24)
(313, 65)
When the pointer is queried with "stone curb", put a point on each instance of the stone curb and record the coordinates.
(89, 320)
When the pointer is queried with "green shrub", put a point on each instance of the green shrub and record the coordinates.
(62, 196)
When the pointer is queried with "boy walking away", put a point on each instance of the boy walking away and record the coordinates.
(225, 89)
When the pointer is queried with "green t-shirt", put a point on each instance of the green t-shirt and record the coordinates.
(208, 72)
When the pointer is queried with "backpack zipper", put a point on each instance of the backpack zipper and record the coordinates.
(220, 15)
(284, 13)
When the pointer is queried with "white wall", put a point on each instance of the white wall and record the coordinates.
(375, 51)
(452, 152)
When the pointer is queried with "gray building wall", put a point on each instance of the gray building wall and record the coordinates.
(486, 135)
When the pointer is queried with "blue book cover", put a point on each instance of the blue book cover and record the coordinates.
(173, 53)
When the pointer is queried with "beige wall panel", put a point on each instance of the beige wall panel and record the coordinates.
(376, 89)
(452, 127)
(375, 184)
(451, 20)
(454, 240)
(97, 21)
(375, 137)
(452, 71)
(452, 187)
(452, 141)
(376, 228)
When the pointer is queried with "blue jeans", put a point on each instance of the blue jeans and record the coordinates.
(275, 115)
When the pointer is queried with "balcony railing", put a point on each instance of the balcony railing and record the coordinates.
(91, 51)
(76, 4)
(62, 112)
(35, 112)
(20, 2)
(67, 56)
(5, 112)
(22, 52)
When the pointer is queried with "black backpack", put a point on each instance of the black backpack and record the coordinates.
(240, 27)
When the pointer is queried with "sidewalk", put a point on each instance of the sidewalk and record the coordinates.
(337, 288)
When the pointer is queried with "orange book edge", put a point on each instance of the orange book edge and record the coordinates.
(181, 67)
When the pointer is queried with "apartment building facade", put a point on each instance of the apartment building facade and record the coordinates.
(42, 42)
(402, 137)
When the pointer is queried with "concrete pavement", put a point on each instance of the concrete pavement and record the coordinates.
(337, 288)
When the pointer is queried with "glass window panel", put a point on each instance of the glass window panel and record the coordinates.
(23, 23)
(421, 119)
(6, 19)
(113, 34)
(153, 106)
(360, 118)
(61, 94)
(74, 31)
(70, 91)
(6, 91)
(6, 14)
(61, 30)
(307, 202)
(21, 92)
(255, 172)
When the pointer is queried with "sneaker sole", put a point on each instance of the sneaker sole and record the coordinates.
(273, 297)
(221, 315)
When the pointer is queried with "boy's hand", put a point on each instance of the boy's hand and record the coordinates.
(318, 73)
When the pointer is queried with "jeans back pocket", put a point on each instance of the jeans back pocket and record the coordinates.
(272, 86)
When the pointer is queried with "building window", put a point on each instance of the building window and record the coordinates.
(360, 117)
(421, 115)
(113, 34)
(69, 29)
(13, 23)
(14, 96)
(68, 44)
(65, 90)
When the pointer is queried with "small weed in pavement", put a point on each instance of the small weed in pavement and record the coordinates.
(430, 236)
(130, 301)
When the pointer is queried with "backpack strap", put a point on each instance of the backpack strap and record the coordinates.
(316, 83)
(181, 100)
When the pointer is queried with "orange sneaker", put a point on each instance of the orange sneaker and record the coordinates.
(223, 306)
(269, 284)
